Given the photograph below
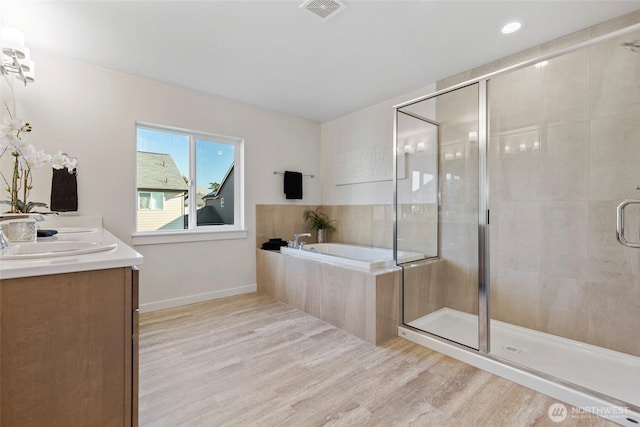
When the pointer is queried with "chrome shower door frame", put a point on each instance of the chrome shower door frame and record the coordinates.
(482, 261)
(484, 315)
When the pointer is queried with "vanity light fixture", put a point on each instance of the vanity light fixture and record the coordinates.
(15, 56)
(511, 27)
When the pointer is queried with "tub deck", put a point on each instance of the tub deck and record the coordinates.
(361, 258)
(365, 304)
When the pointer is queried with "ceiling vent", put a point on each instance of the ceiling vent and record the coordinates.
(325, 9)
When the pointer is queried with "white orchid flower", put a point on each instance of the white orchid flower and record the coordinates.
(29, 157)
(71, 164)
(10, 131)
(12, 126)
(12, 140)
(61, 160)
(42, 159)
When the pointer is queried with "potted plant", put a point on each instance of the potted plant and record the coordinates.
(24, 158)
(319, 221)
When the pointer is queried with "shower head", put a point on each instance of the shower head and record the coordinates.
(633, 46)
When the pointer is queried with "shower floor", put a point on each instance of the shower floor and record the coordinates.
(605, 371)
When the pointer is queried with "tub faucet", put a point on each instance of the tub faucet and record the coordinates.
(296, 244)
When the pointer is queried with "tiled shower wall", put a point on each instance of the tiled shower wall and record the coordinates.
(564, 152)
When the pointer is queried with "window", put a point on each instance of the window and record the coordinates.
(148, 200)
(183, 179)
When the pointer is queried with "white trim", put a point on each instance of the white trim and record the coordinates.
(192, 208)
(156, 238)
(214, 137)
(238, 185)
(192, 299)
(557, 391)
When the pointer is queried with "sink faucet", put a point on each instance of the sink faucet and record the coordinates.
(296, 244)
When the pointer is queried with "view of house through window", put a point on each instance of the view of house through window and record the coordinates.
(184, 175)
(147, 200)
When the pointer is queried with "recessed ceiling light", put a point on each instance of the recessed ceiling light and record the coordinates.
(511, 27)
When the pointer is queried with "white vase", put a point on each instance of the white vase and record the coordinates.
(20, 230)
(320, 235)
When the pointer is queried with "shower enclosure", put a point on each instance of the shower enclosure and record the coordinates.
(509, 184)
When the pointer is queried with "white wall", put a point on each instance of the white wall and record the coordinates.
(369, 127)
(90, 112)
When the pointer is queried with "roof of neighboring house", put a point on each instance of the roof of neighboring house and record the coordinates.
(158, 171)
(214, 193)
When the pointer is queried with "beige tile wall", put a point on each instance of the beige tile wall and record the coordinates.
(281, 221)
(365, 225)
(556, 265)
(424, 288)
(364, 304)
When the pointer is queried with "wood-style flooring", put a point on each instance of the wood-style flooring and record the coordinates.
(249, 360)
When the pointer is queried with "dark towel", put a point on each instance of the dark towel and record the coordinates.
(274, 244)
(64, 191)
(293, 185)
(46, 233)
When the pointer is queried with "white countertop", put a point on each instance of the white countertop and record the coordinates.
(86, 230)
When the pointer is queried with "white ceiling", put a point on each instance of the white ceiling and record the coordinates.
(275, 55)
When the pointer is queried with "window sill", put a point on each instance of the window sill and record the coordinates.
(186, 236)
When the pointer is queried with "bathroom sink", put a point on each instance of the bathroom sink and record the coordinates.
(53, 249)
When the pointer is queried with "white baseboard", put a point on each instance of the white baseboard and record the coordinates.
(191, 299)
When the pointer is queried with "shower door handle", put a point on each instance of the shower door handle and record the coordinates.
(620, 223)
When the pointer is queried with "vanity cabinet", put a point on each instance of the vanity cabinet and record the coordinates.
(68, 349)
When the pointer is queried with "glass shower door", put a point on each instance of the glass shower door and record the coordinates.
(563, 155)
(437, 213)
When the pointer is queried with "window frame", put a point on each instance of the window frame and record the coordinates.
(196, 232)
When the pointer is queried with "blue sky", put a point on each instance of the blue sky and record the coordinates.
(212, 159)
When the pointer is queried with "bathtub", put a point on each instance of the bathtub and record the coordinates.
(361, 258)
